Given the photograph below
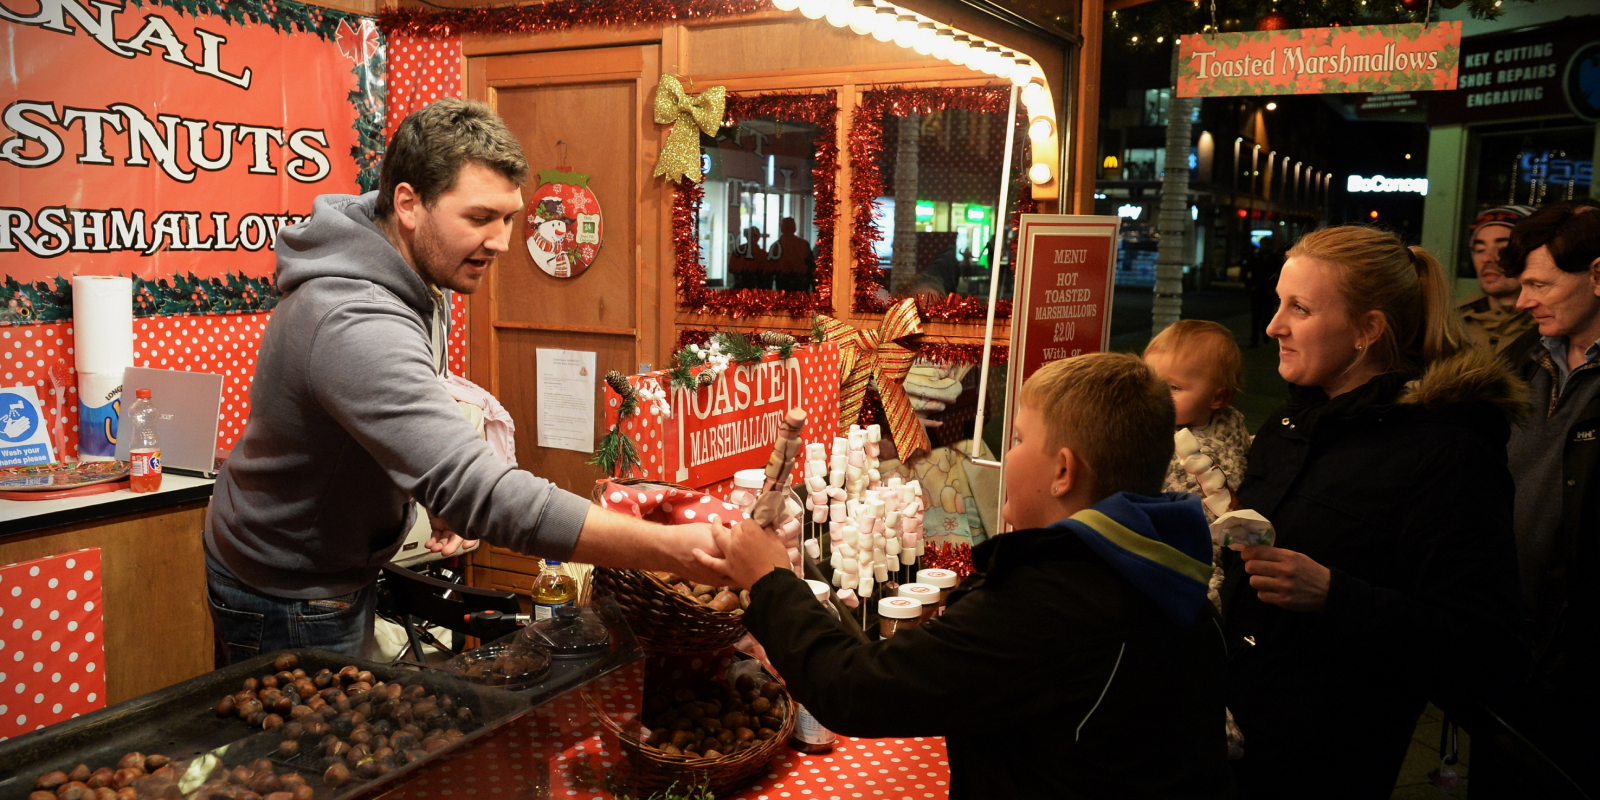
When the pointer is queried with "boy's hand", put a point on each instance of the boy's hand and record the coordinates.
(1286, 578)
(750, 552)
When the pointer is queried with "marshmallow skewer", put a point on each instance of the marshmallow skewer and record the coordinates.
(1213, 483)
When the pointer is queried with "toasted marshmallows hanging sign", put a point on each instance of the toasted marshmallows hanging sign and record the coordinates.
(1371, 58)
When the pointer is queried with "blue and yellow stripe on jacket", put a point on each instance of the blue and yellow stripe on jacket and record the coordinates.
(1161, 544)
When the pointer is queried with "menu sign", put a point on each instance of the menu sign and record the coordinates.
(1369, 58)
(1063, 304)
(1546, 71)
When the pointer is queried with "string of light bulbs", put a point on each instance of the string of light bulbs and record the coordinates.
(912, 31)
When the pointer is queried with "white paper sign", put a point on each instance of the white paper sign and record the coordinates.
(566, 393)
(24, 439)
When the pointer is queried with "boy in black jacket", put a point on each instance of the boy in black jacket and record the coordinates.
(1082, 660)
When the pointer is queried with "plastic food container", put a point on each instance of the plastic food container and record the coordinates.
(942, 579)
(925, 594)
(512, 666)
(896, 614)
(566, 634)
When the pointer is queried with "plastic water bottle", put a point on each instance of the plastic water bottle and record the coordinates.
(144, 450)
(552, 589)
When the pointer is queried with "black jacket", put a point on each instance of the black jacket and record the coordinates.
(1401, 490)
(1567, 632)
(1022, 676)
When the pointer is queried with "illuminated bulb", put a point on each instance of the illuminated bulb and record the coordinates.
(905, 29)
(1039, 173)
(883, 24)
(814, 9)
(1040, 129)
(944, 43)
(862, 14)
(786, 5)
(961, 54)
(840, 13)
(1272, 106)
(924, 40)
(1022, 74)
(1033, 95)
(993, 62)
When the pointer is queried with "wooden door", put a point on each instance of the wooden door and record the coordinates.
(594, 104)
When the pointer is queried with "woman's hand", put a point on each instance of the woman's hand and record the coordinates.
(1287, 579)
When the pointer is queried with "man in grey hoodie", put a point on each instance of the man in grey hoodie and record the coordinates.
(349, 422)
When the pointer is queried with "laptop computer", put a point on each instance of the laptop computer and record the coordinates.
(189, 405)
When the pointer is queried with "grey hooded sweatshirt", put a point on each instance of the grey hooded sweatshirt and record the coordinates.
(349, 423)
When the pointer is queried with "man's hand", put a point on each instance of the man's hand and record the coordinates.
(1286, 578)
(749, 553)
(445, 541)
(685, 544)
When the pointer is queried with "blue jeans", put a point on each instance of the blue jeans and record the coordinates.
(248, 623)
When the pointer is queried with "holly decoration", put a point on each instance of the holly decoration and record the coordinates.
(1272, 21)
(564, 226)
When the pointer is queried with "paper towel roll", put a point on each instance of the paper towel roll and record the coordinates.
(102, 325)
(99, 398)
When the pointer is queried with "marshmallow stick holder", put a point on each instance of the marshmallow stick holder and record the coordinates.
(775, 489)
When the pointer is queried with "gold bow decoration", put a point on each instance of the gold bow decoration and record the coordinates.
(877, 356)
(689, 115)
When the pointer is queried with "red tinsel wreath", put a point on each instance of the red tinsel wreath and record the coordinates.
(866, 145)
(557, 16)
(820, 109)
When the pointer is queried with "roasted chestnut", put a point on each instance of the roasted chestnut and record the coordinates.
(285, 662)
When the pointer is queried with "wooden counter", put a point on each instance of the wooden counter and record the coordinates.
(157, 626)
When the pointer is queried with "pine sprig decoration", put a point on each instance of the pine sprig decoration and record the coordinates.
(740, 348)
(681, 374)
(782, 342)
(615, 453)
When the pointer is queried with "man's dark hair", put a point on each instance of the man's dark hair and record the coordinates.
(433, 143)
(1571, 230)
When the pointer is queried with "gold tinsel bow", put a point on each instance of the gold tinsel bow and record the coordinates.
(879, 357)
(689, 116)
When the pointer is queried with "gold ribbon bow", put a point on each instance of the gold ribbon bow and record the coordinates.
(877, 356)
(689, 116)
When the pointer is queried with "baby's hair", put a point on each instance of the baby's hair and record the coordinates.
(1210, 342)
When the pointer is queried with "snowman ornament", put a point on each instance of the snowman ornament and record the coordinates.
(563, 224)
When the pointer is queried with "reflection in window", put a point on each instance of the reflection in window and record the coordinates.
(948, 164)
(757, 222)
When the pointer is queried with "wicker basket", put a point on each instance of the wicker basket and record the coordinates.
(651, 770)
(661, 618)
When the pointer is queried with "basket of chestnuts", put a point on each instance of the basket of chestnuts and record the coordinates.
(721, 735)
(669, 613)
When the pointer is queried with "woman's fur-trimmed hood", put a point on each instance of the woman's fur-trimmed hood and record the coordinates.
(1471, 376)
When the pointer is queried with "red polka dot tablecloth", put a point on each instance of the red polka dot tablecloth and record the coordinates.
(52, 646)
(222, 344)
(560, 750)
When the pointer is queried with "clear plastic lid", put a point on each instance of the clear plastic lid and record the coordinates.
(941, 578)
(749, 478)
(566, 634)
(923, 593)
(899, 608)
(513, 666)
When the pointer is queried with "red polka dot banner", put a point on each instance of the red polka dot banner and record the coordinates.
(41, 355)
(421, 70)
(667, 505)
(52, 645)
(729, 425)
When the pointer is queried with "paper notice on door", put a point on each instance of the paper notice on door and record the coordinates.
(566, 393)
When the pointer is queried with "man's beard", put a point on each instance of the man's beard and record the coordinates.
(433, 261)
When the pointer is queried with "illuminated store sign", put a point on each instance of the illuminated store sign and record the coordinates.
(1378, 183)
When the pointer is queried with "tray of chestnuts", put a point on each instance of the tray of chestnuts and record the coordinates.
(292, 725)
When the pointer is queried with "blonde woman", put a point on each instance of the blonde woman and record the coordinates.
(1392, 580)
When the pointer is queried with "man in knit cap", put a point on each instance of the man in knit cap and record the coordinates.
(1490, 316)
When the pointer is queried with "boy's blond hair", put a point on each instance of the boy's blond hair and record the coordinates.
(1208, 341)
(1114, 412)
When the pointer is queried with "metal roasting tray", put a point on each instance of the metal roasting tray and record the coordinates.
(180, 722)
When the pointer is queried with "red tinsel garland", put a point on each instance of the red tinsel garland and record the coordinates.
(820, 109)
(558, 16)
(866, 145)
(937, 352)
(957, 559)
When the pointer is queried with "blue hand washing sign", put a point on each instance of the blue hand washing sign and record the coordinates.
(18, 418)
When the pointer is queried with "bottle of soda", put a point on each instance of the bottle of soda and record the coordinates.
(552, 589)
(144, 450)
